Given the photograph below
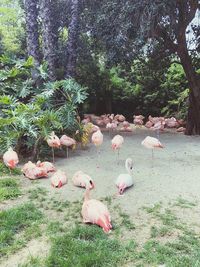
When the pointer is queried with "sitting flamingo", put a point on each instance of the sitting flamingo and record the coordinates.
(10, 158)
(95, 212)
(125, 180)
(31, 171)
(83, 180)
(58, 179)
(46, 165)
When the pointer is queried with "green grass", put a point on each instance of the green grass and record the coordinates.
(38, 193)
(14, 222)
(4, 170)
(184, 203)
(85, 246)
(159, 231)
(183, 252)
(9, 189)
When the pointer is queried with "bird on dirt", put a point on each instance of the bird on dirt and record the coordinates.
(138, 119)
(97, 140)
(152, 143)
(95, 212)
(58, 179)
(117, 142)
(46, 165)
(81, 179)
(54, 142)
(68, 142)
(31, 171)
(125, 180)
(10, 158)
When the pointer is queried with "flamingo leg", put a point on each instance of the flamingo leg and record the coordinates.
(158, 133)
(117, 156)
(98, 156)
(67, 152)
(53, 155)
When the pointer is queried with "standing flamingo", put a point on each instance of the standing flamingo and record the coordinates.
(10, 158)
(95, 212)
(54, 142)
(151, 143)
(97, 140)
(67, 141)
(117, 142)
(125, 180)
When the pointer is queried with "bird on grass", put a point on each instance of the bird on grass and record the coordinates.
(95, 212)
(10, 158)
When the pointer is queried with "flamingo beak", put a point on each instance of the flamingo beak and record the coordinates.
(60, 184)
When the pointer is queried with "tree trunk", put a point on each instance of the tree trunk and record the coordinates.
(31, 15)
(49, 36)
(73, 38)
(193, 116)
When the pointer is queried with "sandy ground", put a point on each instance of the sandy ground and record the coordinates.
(174, 171)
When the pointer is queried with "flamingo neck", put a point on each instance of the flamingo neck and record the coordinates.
(87, 194)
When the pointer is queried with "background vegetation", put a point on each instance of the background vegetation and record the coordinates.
(64, 58)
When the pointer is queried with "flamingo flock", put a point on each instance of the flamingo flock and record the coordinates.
(93, 211)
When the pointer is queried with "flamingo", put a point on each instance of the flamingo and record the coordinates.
(67, 141)
(95, 212)
(171, 122)
(31, 171)
(125, 180)
(82, 179)
(159, 126)
(58, 179)
(10, 158)
(111, 126)
(151, 143)
(138, 119)
(54, 142)
(97, 140)
(117, 142)
(47, 165)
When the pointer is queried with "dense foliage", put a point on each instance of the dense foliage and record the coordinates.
(124, 52)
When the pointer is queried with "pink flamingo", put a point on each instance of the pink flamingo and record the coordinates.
(151, 143)
(67, 141)
(125, 180)
(159, 126)
(58, 179)
(54, 142)
(138, 119)
(117, 142)
(97, 140)
(46, 165)
(95, 212)
(10, 158)
(82, 179)
(31, 171)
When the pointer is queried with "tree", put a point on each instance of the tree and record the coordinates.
(169, 23)
(73, 38)
(31, 15)
(49, 35)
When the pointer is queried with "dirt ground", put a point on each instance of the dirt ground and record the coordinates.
(174, 171)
